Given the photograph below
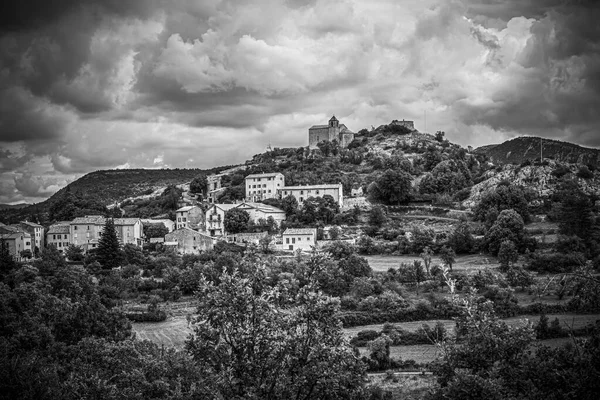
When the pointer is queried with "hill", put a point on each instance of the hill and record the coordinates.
(518, 150)
(102, 188)
(13, 206)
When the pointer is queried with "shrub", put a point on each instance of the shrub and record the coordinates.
(555, 262)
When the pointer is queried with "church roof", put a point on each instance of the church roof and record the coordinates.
(319, 127)
(333, 119)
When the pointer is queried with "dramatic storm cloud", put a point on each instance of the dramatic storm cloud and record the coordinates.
(87, 85)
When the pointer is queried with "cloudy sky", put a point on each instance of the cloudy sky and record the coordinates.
(97, 84)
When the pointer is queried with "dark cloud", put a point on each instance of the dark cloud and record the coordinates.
(556, 89)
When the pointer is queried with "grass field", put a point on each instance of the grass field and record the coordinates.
(472, 262)
(170, 333)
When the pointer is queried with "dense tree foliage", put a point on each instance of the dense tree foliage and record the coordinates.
(392, 187)
(503, 197)
(236, 220)
(199, 184)
(243, 334)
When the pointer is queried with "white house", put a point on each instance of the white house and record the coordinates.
(299, 238)
(263, 186)
(302, 193)
(214, 218)
(259, 211)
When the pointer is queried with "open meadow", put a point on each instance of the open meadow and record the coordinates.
(472, 262)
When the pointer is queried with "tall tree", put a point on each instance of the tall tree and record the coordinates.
(109, 249)
(392, 187)
(199, 184)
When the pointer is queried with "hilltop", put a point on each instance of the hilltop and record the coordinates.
(518, 150)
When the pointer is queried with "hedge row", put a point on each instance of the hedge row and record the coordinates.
(147, 316)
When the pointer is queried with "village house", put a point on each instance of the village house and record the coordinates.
(16, 241)
(190, 217)
(299, 238)
(215, 217)
(37, 233)
(85, 231)
(214, 187)
(258, 211)
(330, 132)
(129, 230)
(189, 241)
(302, 193)
(59, 236)
(263, 186)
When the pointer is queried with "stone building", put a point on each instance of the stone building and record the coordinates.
(214, 187)
(190, 217)
(263, 186)
(59, 236)
(302, 193)
(407, 124)
(85, 231)
(37, 234)
(258, 211)
(328, 133)
(16, 240)
(189, 241)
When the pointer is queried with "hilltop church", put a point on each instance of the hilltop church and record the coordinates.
(328, 133)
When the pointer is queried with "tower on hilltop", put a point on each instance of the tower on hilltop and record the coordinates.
(330, 132)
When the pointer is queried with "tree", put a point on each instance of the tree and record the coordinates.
(266, 244)
(426, 256)
(199, 184)
(253, 348)
(508, 226)
(109, 249)
(74, 253)
(377, 217)
(334, 232)
(236, 220)
(461, 238)
(416, 273)
(505, 196)
(157, 230)
(392, 187)
(507, 254)
(379, 351)
(7, 261)
(448, 256)
(289, 204)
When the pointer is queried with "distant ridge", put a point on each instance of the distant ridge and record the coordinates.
(13, 206)
(518, 150)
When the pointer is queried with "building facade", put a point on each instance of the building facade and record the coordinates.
(215, 216)
(129, 230)
(214, 187)
(330, 132)
(407, 124)
(190, 217)
(263, 186)
(86, 231)
(299, 239)
(37, 234)
(302, 193)
(16, 241)
(189, 241)
(258, 211)
(59, 236)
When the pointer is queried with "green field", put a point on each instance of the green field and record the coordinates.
(473, 262)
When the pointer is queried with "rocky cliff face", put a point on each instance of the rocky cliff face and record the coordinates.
(524, 148)
(537, 178)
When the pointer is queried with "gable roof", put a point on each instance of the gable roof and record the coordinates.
(311, 187)
(319, 127)
(126, 221)
(31, 224)
(300, 231)
(225, 207)
(89, 219)
(262, 207)
(183, 209)
(188, 231)
(59, 228)
(265, 175)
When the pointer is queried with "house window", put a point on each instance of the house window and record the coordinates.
(299, 239)
(264, 185)
(59, 244)
(287, 240)
(54, 237)
(285, 192)
(293, 240)
(88, 227)
(301, 199)
(302, 192)
(27, 243)
(75, 228)
(317, 192)
(269, 190)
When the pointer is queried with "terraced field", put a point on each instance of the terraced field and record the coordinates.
(471, 262)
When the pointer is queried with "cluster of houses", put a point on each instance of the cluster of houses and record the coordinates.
(193, 230)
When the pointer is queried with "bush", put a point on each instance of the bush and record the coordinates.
(555, 262)
(147, 316)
